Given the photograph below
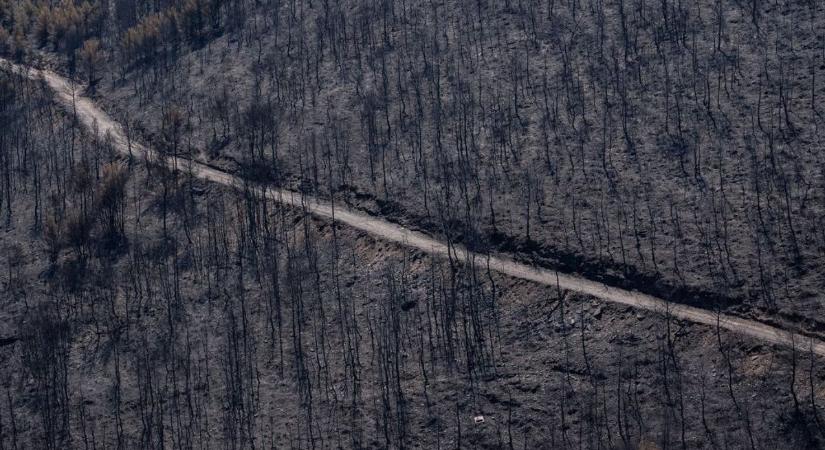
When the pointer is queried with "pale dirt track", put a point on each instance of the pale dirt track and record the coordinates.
(91, 115)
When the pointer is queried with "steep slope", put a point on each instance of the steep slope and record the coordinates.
(145, 308)
(94, 117)
(671, 149)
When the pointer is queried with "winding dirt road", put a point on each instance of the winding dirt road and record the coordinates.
(91, 115)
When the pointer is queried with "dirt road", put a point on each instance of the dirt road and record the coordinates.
(91, 115)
